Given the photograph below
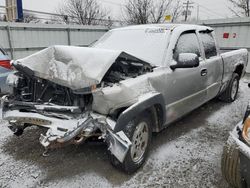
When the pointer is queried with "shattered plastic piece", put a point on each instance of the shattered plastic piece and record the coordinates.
(119, 145)
(35, 175)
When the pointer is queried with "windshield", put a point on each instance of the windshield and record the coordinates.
(146, 44)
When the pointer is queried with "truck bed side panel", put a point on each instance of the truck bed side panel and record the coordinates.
(231, 60)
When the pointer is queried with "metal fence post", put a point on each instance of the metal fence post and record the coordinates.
(10, 43)
(69, 38)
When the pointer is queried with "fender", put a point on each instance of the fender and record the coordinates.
(145, 102)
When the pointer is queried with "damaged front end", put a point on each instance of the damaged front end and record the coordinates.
(51, 97)
(66, 127)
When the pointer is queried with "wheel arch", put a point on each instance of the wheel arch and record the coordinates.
(153, 104)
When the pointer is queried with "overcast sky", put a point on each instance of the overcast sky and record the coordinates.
(209, 9)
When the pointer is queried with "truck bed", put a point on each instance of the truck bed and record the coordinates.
(231, 60)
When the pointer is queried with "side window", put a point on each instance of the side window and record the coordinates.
(187, 43)
(209, 44)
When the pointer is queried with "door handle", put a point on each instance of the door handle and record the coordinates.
(203, 72)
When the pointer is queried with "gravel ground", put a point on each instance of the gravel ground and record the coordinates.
(186, 154)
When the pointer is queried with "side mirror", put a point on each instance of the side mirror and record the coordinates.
(186, 60)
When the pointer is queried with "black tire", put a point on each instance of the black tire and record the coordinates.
(16, 131)
(228, 95)
(129, 165)
(230, 165)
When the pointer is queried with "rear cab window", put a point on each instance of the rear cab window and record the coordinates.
(208, 43)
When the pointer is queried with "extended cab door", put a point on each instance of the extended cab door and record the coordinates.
(213, 63)
(186, 88)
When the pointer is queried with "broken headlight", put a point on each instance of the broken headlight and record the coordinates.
(246, 126)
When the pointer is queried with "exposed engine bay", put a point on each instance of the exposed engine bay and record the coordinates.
(124, 69)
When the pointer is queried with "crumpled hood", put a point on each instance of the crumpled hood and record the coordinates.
(73, 67)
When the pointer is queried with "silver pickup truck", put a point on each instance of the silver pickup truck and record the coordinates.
(132, 82)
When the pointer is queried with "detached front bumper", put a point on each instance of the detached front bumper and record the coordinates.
(65, 129)
(244, 152)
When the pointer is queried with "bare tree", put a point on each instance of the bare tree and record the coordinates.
(160, 10)
(177, 9)
(240, 7)
(146, 11)
(83, 12)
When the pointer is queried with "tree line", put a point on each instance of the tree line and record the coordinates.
(91, 12)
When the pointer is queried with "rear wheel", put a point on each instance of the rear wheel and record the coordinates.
(230, 94)
(230, 165)
(139, 132)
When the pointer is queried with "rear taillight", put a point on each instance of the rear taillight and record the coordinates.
(6, 64)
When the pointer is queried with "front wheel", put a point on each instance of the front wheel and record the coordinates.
(139, 132)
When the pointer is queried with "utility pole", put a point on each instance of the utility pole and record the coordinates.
(187, 5)
(198, 12)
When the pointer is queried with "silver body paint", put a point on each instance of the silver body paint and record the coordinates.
(183, 90)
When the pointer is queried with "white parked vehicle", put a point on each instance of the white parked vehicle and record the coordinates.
(235, 162)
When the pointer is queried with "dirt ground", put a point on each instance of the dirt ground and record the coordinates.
(186, 154)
